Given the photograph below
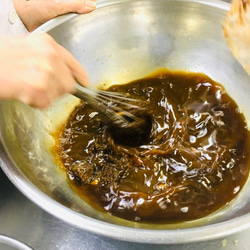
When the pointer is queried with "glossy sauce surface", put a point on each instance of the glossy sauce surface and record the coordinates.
(195, 160)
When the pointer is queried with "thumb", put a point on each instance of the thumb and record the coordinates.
(80, 6)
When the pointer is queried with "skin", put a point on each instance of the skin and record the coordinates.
(35, 69)
(33, 13)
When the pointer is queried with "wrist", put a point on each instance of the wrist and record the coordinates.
(23, 8)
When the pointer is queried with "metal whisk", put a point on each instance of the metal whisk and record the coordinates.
(117, 107)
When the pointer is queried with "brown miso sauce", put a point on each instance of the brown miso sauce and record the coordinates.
(195, 160)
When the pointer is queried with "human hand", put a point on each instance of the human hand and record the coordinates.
(33, 13)
(36, 70)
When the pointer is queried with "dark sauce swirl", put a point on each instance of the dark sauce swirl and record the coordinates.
(196, 158)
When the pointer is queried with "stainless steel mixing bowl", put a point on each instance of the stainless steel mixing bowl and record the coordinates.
(119, 42)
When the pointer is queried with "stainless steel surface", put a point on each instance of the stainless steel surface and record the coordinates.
(135, 38)
(7, 241)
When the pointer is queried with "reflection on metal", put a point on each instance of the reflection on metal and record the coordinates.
(13, 243)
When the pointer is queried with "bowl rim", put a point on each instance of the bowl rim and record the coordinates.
(155, 236)
(51, 24)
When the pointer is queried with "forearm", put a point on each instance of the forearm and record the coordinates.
(10, 23)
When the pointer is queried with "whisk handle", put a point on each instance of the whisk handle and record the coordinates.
(84, 93)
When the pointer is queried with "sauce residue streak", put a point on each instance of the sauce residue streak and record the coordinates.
(194, 161)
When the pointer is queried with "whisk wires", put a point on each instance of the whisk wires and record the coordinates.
(117, 107)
